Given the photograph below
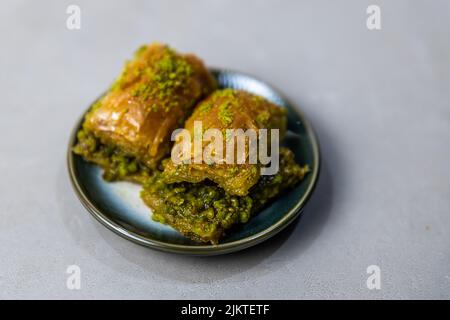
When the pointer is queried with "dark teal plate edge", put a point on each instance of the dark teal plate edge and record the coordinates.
(202, 250)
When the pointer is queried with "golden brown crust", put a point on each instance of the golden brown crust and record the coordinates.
(155, 93)
(228, 109)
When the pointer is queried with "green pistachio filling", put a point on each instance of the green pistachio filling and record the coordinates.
(116, 164)
(204, 212)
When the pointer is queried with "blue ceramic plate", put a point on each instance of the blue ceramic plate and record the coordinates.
(118, 205)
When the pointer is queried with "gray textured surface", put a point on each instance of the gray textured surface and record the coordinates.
(378, 100)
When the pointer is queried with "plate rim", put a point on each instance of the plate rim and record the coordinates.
(209, 249)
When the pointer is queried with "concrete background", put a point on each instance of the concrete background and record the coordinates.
(379, 101)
